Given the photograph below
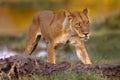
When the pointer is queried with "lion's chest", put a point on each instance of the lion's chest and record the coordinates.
(62, 39)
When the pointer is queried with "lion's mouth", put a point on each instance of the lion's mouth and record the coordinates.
(84, 38)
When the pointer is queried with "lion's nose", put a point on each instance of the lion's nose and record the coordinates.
(85, 33)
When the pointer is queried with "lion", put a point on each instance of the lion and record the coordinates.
(60, 27)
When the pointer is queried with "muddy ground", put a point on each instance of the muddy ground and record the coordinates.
(17, 66)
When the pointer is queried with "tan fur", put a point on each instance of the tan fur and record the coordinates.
(60, 27)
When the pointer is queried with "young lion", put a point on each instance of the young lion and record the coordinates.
(60, 27)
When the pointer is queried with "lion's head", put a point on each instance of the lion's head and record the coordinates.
(79, 23)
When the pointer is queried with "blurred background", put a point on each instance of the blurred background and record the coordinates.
(103, 45)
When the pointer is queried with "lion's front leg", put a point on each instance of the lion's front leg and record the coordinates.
(82, 53)
(51, 53)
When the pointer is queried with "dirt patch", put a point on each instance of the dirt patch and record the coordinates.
(17, 66)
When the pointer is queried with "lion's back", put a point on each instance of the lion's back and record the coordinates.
(45, 16)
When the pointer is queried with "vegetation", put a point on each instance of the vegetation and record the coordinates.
(69, 75)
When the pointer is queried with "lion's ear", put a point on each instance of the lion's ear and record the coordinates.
(85, 11)
(68, 14)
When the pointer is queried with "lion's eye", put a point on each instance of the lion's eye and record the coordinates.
(77, 24)
(87, 22)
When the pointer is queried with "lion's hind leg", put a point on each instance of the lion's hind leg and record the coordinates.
(32, 44)
(33, 38)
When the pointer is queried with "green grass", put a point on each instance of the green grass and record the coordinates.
(69, 75)
(104, 47)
